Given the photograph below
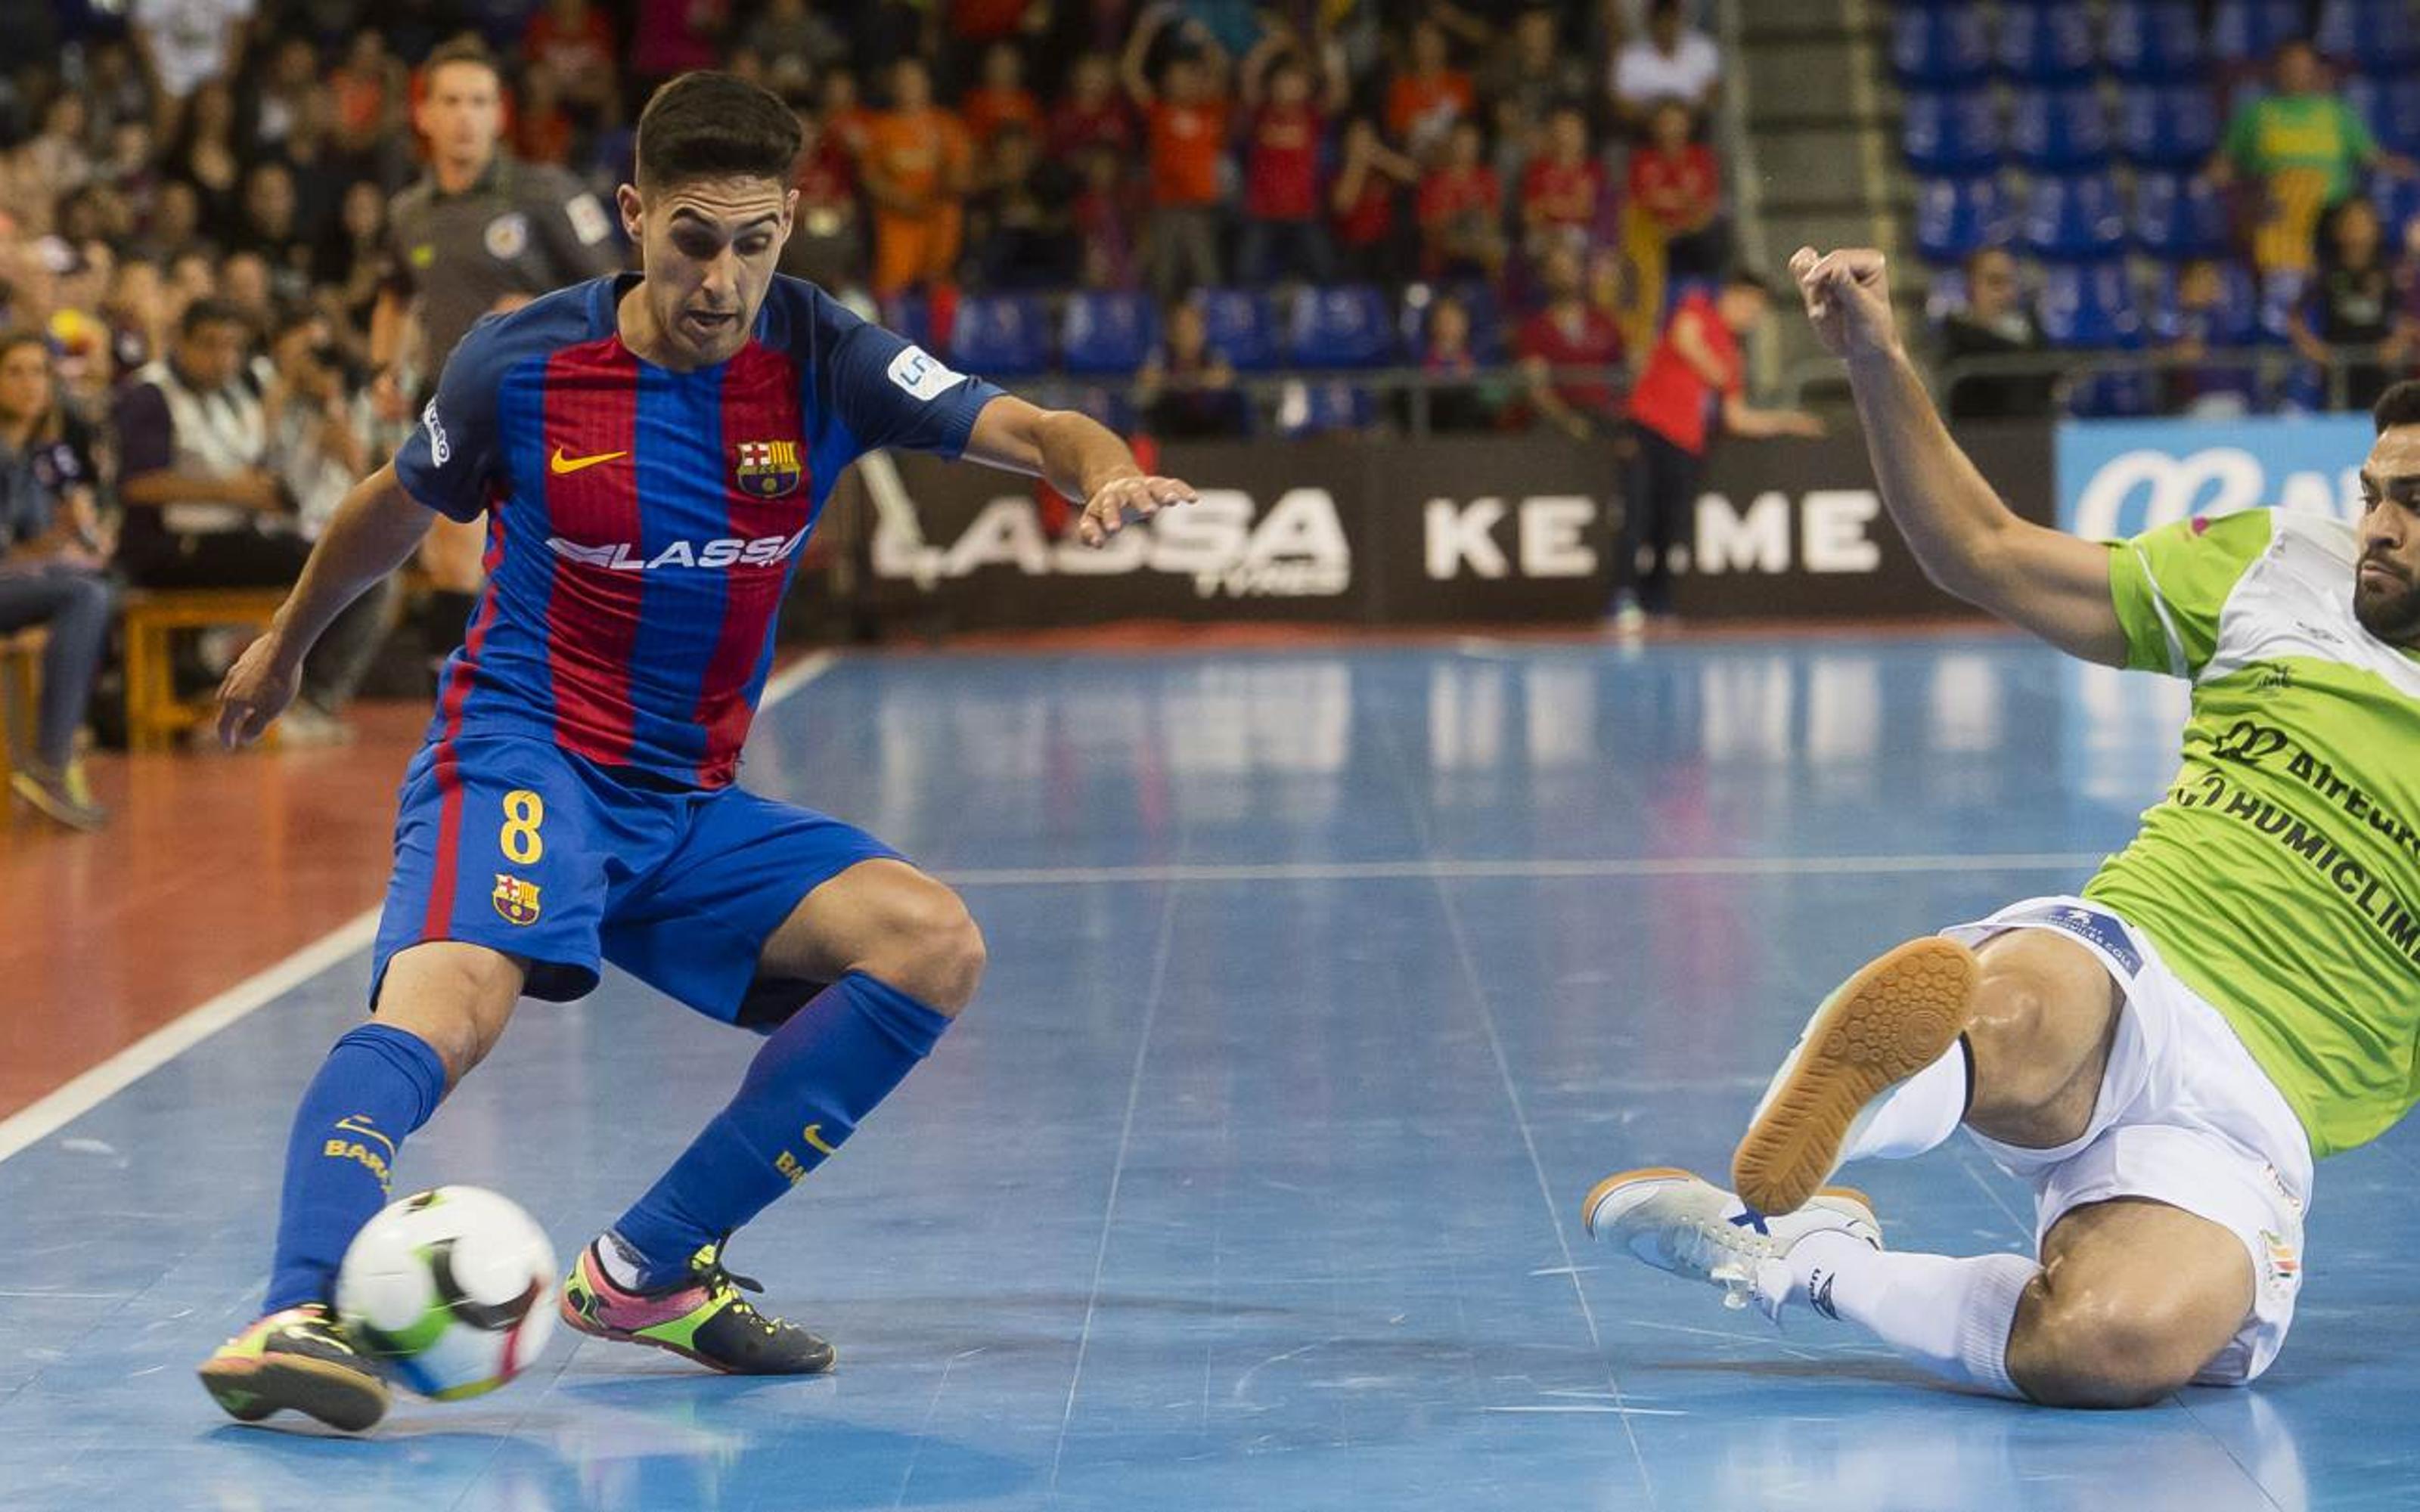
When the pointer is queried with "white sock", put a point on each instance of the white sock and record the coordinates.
(1947, 1314)
(1921, 1113)
(621, 1262)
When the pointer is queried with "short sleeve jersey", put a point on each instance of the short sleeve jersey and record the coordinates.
(2280, 875)
(523, 229)
(643, 523)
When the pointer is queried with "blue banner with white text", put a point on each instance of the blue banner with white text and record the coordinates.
(2118, 478)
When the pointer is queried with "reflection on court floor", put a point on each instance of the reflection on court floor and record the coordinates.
(1324, 984)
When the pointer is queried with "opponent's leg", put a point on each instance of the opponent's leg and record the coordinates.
(903, 958)
(1881, 1069)
(441, 1007)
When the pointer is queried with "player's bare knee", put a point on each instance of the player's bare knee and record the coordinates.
(458, 999)
(2103, 1347)
(930, 947)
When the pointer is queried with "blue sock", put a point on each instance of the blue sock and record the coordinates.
(815, 1077)
(378, 1085)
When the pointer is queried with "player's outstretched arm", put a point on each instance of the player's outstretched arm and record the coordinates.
(1078, 455)
(1968, 541)
(373, 531)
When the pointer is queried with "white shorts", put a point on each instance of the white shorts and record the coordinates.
(2186, 1116)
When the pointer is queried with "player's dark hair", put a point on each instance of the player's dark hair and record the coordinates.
(212, 311)
(713, 125)
(2399, 406)
(466, 49)
(1744, 278)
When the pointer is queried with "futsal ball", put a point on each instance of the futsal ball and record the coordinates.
(452, 1290)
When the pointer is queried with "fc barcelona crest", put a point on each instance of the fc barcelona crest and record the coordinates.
(515, 900)
(767, 469)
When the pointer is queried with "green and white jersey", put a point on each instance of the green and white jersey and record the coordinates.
(2280, 877)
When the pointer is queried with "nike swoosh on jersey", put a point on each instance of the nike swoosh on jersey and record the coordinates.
(561, 464)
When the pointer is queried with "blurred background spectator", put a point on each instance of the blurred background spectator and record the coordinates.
(1996, 322)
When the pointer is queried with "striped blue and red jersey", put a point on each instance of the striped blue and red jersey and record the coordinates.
(643, 523)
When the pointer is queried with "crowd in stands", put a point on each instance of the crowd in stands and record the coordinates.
(2226, 186)
(1165, 200)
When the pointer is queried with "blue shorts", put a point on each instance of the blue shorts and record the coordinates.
(517, 845)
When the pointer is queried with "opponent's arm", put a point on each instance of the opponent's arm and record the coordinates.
(1078, 455)
(373, 533)
(1967, 540)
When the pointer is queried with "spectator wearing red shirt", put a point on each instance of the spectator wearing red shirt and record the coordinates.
(1569, 332)
(1091, 114)
(1001, 98)
(1427, 98)
(1680, 186)
(1461, 210)
(672, 37)
(541, 127)
(1187, 129)
(1696, 360)
(1106, 216)
(1363, 206)
(1285, 234)
(575, 40)
(827, 241)
(1563, 189)
(846, 119)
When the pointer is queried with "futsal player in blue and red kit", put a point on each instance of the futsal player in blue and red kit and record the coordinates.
(650, 452)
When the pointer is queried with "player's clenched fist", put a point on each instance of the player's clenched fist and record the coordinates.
(1140, 497)
(1848, 298)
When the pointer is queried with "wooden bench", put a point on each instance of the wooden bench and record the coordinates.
(20, 697)
(156, 719)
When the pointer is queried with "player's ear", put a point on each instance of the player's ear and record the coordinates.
(789, 213)
(626, 199)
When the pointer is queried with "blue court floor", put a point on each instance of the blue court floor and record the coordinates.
(1324, 985)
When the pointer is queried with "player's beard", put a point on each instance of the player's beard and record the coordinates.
(2392, 614)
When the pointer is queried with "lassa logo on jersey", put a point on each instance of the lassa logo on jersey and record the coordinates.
(622, 556)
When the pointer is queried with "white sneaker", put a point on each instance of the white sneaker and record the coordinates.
(1899, 1014)
(1689, 1226)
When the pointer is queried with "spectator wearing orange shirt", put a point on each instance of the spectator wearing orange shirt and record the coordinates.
(1679, 185)
(1001, 98)
(1563, 189)
(1188, 132)
(1461, 210)
(916, 169)
(575, 40)
(1285, 235)
(1427, 98)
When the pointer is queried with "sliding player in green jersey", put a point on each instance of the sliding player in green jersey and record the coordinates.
(2233, 994)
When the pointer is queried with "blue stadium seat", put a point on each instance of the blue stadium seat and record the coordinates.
(2238, 315)
(2246, 32)
(1940, 49)
(2059, 130)
(2087, 304)
(2152, 41)
(1340, 327)
(2076, 219)
(2045, 44)
(1955, 216)
(2378, 36)
(2168, 126)
(2280, 294)
(1487, 336)
(2115, 393)
(2391, 106)
(1951, 131)
(1000, 336)
(2177, 216)
(1107, 332)
(2399, 204)
(1110, 407)
(1944, 294)
(1243, 328)
(1313, 409)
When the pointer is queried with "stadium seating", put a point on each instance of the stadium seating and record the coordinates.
(1951, 131)
(2087, 304)
(2153, 42)
(1487, 344)
(912, 315)
(2237, 312)
(2371, 36)
(2045, 43)
(156, 719)
(1340, 327)
(1313, 409)
(2391, 106)
(21, 693)
(1941, 48)
(2074, 218)
(2168, 126)
(2398, 203)
(1955, 216)
(2178, 215)
(2243, 33)
(2062, 129)
(1106, 333)
(1000, 336)
(2280, 294)
(1242, 329)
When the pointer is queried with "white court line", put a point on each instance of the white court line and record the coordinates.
(1645, 866)
(87, 1092)
(180, 1034)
